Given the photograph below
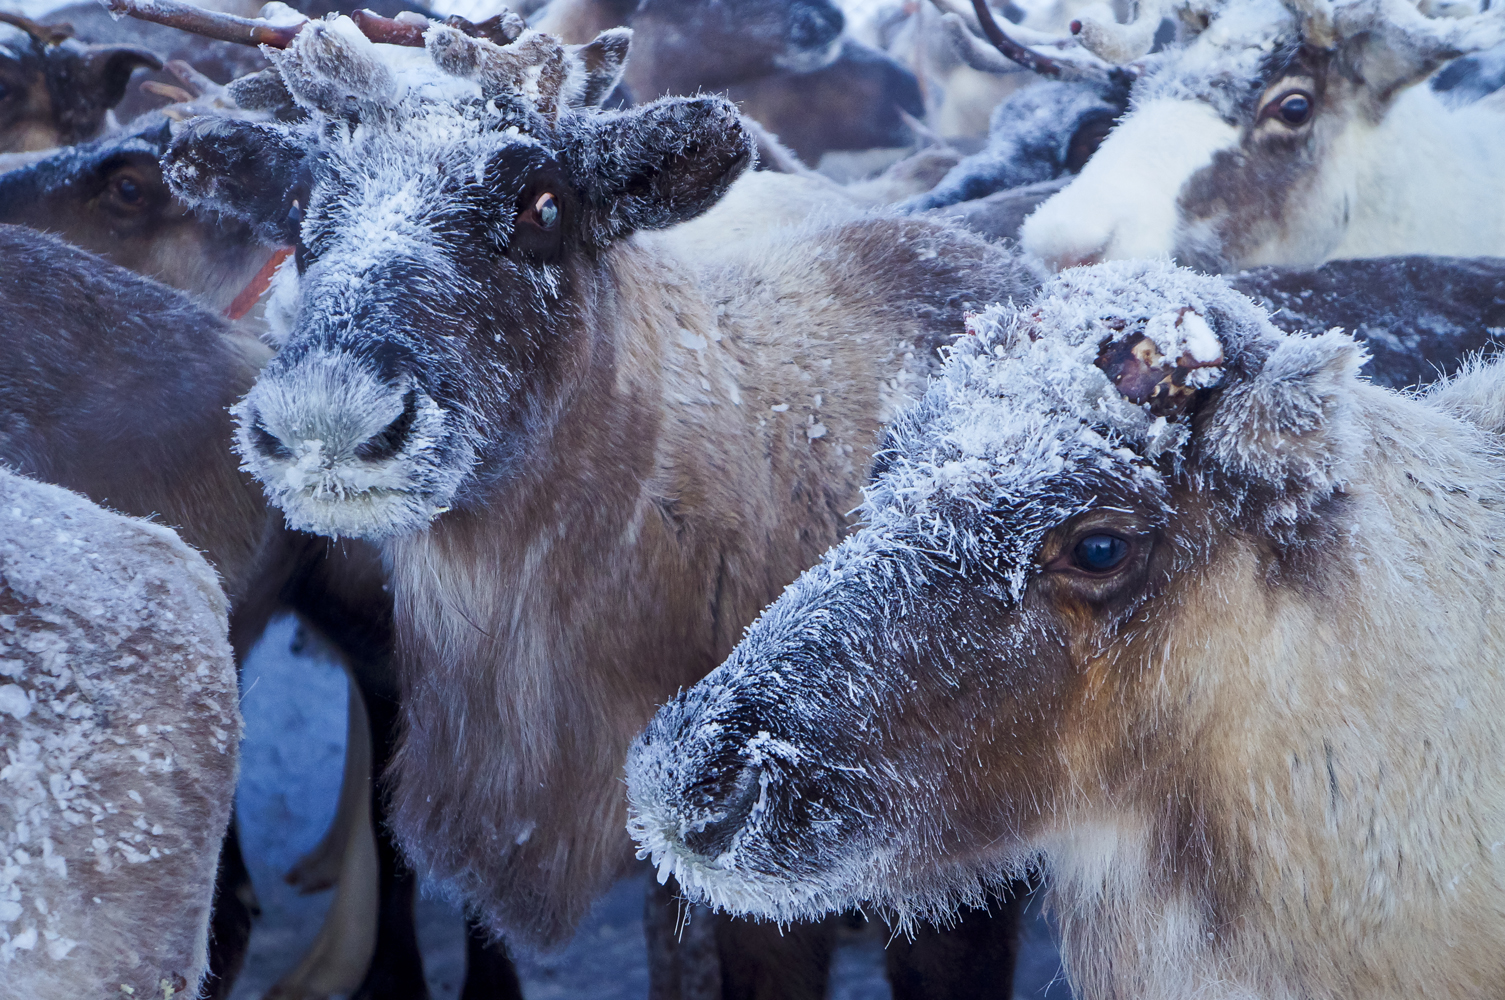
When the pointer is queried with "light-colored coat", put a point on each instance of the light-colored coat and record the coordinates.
(120, 726)
(1261, 754)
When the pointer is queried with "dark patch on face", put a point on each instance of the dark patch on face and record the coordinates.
(1241, 199)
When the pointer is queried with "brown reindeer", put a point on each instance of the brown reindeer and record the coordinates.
(55, 91)
(1164, 598)
(118, 387)
(590, 451)
(120, 728)
(785, 62)
(108, 197)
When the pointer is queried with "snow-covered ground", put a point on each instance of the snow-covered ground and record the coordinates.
(294, 707)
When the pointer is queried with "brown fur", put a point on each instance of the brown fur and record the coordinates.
(119, 388)
(678, 490)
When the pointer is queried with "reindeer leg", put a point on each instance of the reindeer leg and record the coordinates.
(230, 926)
(973, 960)
(396, 971)
(341, 952)
(683, 963)
(759, 962)
(319, 869)
(489, 972)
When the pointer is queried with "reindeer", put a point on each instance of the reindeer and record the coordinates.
(640, 436)
(119, 388)
(55, 91)
(1038, 134)
(108, 197)
(120, 725)
(1288, 134)
(785, 62)
(1168, 600)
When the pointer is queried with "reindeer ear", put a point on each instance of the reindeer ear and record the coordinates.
(252, 172)
(89, 80)
(1286, 431)
(658, 165)
(604, 60)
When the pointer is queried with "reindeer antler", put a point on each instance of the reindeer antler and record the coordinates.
(1119, 43)
(47, 34)
(209, 23)
(1058, 67)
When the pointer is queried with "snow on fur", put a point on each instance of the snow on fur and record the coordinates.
(1022, 420)
(1293, 680)
(119, 728)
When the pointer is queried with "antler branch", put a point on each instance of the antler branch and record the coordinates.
(1119, 43)
(210, 24)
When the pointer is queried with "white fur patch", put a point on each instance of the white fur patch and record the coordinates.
(1123, 204)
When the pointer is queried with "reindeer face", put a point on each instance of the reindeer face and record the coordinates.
(109, 198)
(917, 711)
(452, 212)
(688, 46)
(55, 91)
(1248, 145)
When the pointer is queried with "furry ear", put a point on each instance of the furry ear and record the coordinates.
(604, 59)
(252, 172)
(658, 165)
(1285, 432)
(88, 80)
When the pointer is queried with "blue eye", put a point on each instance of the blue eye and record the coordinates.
(1100, 553)
(547, 210)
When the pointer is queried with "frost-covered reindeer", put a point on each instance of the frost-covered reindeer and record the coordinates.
(119, 730)
(590, 451)
(118, 388)
(1169, 600)
(1290, 134)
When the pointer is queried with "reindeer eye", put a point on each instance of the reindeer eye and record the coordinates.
(1099, 553)
(1294, 108)
(547, 210)
(128, 192)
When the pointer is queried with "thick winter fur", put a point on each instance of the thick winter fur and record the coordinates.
(120, 724)
(1205, 169)
(55, 91)
(591, 451)
(109, 198)
(119, 388)
(1259, 755)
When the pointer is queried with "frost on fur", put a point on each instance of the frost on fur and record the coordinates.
(408, 191)
(1185, 735)
(119, 728)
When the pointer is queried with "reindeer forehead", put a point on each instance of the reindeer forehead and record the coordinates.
(1041, 409)
(1233, 56)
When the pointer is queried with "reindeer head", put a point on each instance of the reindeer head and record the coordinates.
(454, 209)
(684, 46)
(916, 711)
(55, 91)
(1248, 143)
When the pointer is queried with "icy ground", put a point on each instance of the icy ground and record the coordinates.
(294, 707)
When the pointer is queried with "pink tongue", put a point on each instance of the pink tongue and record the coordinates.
(257, 285)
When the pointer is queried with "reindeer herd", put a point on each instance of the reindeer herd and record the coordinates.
(879, 463)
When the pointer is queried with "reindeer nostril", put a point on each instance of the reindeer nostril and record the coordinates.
(269, 444)
(733, 797)
(386, 443)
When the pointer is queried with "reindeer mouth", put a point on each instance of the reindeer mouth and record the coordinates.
(345, 454)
